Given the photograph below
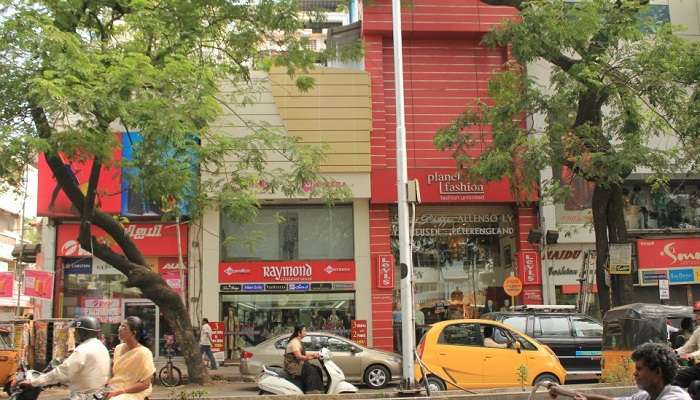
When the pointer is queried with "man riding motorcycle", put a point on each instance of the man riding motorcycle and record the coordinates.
(690, 350)
(86, 370)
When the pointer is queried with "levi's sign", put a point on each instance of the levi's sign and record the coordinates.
(287, 271)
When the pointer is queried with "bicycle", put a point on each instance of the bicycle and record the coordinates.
(170, 375)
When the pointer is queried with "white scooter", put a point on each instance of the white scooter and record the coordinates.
(278, 381)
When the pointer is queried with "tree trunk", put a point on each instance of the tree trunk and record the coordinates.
(609, 227)
(131, 263)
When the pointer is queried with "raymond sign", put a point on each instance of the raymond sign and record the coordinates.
(153, 239)
(530, 269)
(287, 271)
(385, 271)
(358, 331)
(512, 286)
(38, 284)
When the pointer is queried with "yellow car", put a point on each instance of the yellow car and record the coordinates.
(477, 353)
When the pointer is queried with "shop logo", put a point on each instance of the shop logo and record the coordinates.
(453, 184)
(287, 272)
(670, 251)
(234, 271)
(331, 269)
(171, 266)
(72, 248)
(142, 232)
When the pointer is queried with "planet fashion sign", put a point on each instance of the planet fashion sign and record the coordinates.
(287, 271)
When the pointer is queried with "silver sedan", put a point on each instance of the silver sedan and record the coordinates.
(375, 368)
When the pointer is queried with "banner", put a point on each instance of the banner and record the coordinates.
(287, 271)
(153, 239)
(217, 339)
(358, 331)
(530, 267)
(668, 253)
(7, 284)
(385, 271)
(107, 311)
(38, 284)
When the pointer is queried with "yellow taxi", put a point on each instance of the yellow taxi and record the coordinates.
(477, 353)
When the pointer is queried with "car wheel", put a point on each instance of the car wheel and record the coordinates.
(436, 384)
(545, 377)
(377, 376)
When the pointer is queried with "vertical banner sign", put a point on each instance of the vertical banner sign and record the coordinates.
(217, 340)
(530, 269)
(385, 271)
(358, 331)
(38, 284)
(7, 284)
(664, 292)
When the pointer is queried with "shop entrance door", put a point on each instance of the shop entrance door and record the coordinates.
(148, 312)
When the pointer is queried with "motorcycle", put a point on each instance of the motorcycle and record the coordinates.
(278, 381)
(19, 392)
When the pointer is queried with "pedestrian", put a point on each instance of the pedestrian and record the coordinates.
(205, 343)
(690, 350)
(655, 367)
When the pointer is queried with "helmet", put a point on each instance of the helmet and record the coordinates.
(87, 323)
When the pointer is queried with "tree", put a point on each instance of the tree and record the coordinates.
(74, 72)
(619, 84)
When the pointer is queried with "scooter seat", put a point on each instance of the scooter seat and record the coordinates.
(286, 375)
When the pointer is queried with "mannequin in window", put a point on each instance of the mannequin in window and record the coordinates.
(489, 307)
(488, 339)
(457, 295)
(289, 239)
(506, 305)
(233, 328)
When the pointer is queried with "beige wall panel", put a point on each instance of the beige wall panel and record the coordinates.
(332, 136)
(345, 168)
(324, 79)
(328, 124)
(325, 101)
(297, 113)
(323, 90)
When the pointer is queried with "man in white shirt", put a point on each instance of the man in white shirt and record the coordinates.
(655, 366)
(205, 343)
(690, 350)
(87, 369)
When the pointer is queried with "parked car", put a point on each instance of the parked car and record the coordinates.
(458, 351)
(360, 364)
(577, 339)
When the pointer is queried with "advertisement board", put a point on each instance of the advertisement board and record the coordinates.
(287, 271)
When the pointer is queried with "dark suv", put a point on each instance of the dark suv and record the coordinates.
(575, 338)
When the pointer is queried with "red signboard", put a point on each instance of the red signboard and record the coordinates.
(168, 268)
(532, 295)
(358, 331)
(217, 336)
(668, 253)
(38, 284)
(153, 239)
(441, 186)
(530, 267)
(52, 202)
(385, 271)
(7, 284)
(287, 271)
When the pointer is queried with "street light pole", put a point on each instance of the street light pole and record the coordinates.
(405, 257)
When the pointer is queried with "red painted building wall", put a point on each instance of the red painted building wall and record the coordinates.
(445, 69)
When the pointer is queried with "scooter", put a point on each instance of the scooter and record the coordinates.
(24, 393)
(278, 381)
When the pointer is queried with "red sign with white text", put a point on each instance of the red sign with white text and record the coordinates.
(153, 239)
(385, 271)
(38, 284)
(532, 295)
(529, 267)
(217, 336)
(287, 271)
(168, 268)
(52, 202)
(358, 331)
(441, 186)
(668, 253)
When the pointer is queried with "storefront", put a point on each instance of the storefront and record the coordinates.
(304, 271)
(86, 285)
(676, 259)
(569, 271)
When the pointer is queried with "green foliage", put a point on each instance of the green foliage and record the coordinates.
(96, 66)
(523, 376)
(614, 90)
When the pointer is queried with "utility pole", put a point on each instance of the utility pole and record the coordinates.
(408, 344)
(19, 265)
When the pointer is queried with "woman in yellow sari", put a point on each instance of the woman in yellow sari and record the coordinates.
(133, 368)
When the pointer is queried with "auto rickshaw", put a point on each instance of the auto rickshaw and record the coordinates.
(9, 359)
(626, 327)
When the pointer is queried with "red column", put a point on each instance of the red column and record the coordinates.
(382, 299)
(529, 263)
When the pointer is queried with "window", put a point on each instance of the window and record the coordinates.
(552, 326)
(290, 233)
(518, 322)
(584, 327)
(499, 335)
(339, 345)
(524, 343)
(462, 335)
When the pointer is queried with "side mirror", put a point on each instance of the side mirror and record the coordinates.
(355, 350)
(518, 347)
